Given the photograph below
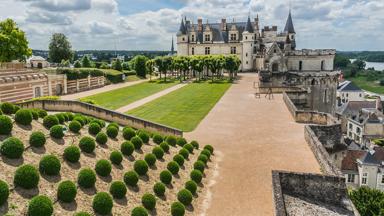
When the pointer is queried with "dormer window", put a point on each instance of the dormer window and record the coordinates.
(233, 37)
(207, 37)
(193, 38)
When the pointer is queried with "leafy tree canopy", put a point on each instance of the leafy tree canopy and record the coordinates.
(368, 201)
(139, 65)
(60, 48)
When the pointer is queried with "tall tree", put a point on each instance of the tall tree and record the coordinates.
(14, 44)
(85, 62)
(60, 48)
(139, 65)
(117, 65)
(150, 67)
(232, 64)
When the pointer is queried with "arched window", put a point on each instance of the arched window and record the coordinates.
(37, 91)
(313, 82)
(275, 67)
(322, 65)
(300, 65)
(193, 50)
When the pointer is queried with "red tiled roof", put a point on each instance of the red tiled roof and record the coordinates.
(349, 161)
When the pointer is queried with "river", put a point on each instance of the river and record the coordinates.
(377, 65)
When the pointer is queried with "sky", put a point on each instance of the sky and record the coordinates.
(150, 24)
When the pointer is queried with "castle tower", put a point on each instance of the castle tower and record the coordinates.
(182, 39)
(172, 48)
(290, 30)
(248, 40)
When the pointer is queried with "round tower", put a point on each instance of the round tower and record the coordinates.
(248, 43)
(182, 39)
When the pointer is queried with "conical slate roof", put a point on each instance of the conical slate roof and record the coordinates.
(289, 25)
(249, 27)
(182, 29)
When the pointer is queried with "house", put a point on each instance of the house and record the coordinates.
(37, 62)
(347, 91)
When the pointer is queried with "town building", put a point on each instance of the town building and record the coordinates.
(37, 62)
(347, 91)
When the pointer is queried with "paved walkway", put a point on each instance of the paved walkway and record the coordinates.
(252, 137)
(150, 98)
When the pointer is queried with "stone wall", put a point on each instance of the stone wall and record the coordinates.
(85, 84)
(102, 113)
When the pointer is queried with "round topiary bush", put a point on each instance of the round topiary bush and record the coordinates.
(144, 136)
(164, 146)
(196, 175)
(191, 186)
(74, 126)
(103, 167)
(209, 148)
(166, 177)
(86, 178)
(180, 141)
(50, 165)
(42, 113)
(87, 144)
(61, 118)
(185, 196)
(102, 203)
(12, 148)
(199, 165)
(179, 159)
(139, 211)
(94, 128)
(114, 124)
(82, 214)
(203, 158)
(171, 140)
(148, 201)
(72, 154)
(112, 132)
(56, 131)
(4, 192)
(128, 133)
(127, 148)
(7, 108)
(24, 117)
(184, 152)
(5, 125)
(137, 142)
(150, 159)
(158, 152)
(66, 192)
(116, 157)
(80, 119)
(157, 138)
(189, 147)
(141, 167)
(159, 189)
(118, 189)
(37, 139)
(101, 138)
(177, 209)
(100, 122)
(50, 120)
(40, 206)
(35, 115)
(131, 178)
(70, 116)
(173, 167)
(26, 177)
(206, 153)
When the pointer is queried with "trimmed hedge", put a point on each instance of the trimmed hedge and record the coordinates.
(102, 203)
(5, 125)
(66, 192)
(149, 201)
(35, 115)
(26, 176)
(50, 165)
(24, 117)
(203, 158)
(94, 128)
(141, 167)
(157, 138)
(137, 142)
(179, 159)
(56, 131)
(173, 167)
(171, 140)
(177, 209)
(131, 178)
(37, 139)
(40, 206)
(159, 189)
(166, 177)
(196, 175)
(127, 148)
(4, 192)
(112, 131)
(191, 186)
(189, 147)
(144, 136)
(139, 211)
(180, 141)
(50, 120)
(164, 146)
(74, 126)
(206, 153)
(209, 148)
(7, 108)
(103, 167)
(12, 148)
(199, 165)
(87, 144)
(158, 152)
(61, 118)
(72, 154)
(42, 113)
(118, 189)
(185, 196)
(150, 159)
(82, 214)
(86, 178)
(184, 152)
(116, 157)
(101, 138)
(128, 133)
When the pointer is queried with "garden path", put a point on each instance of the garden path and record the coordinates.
(252, 136)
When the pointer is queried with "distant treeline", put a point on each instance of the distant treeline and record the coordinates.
(369, 56)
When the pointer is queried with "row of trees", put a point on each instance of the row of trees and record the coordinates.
(350, 69)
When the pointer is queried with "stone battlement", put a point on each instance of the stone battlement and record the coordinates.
(312, 52)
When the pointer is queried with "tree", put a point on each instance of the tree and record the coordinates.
(60, 48)
(368, 201)
(341, 61)
(85, 62)
(232, 64)
(14, 44)
(150, 67)
(126, 66)
(117, 65)
(77, 64)
(104, 66)
(139, 65)
(64, 63)
(360, 64)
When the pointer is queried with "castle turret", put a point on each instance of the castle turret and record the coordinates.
(248, 41)
(182, 39)
(290, 30)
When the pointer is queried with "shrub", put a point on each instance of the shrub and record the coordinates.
(50, 165)
(50, 120)
(56, 131)
(70, 116)
(114, 124)
(87, 144)
(196, 176)
(137, 142)
(24, 117)
(72, 154)
(139, 211)
(42, 113)
(26, 176)
(102, 203)
(100, 122)
(128, 133)
(166, 177)
(143, 136)
(191, 186)
(127, 148)
(148, 201)
(61, 118)
(4, 192)
(94, 128)
(131, 178)
(37, 139)
(173, 167)
(74, 126)
(101, 138)
(82, 214)
(141, 167)
(199, 165)
(159, 189)
(5, 125)
(7, 108)
(158, 152)
(150, 159)
(203, 158)
(209, 148)
(103, 167)
(112, 132)
(66, 192)
(12, 148)
(116, 157)
(185, 196)
(40, 206)
(164, 146)
(157, 138)
(181, 141)
(118, 189)
(35, 115)
(206, 152)
(86, 178)
(184, 152)
(177, 209)
(80, 119)
(171, 140)
(179, 159)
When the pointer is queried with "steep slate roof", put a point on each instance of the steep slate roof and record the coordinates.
(349, 161)
(348, 86)
(289, 24)
(182, 29)
(353, 107)
(249, 27)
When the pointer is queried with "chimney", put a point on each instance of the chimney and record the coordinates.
(379, 106)
(199, 24)
(274, 28)
(223, 25)
(257, 23)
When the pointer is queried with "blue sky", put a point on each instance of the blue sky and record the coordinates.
(150, 24)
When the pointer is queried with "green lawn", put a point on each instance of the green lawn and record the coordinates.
(185, 107)
(120, 97)
(372, 86)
